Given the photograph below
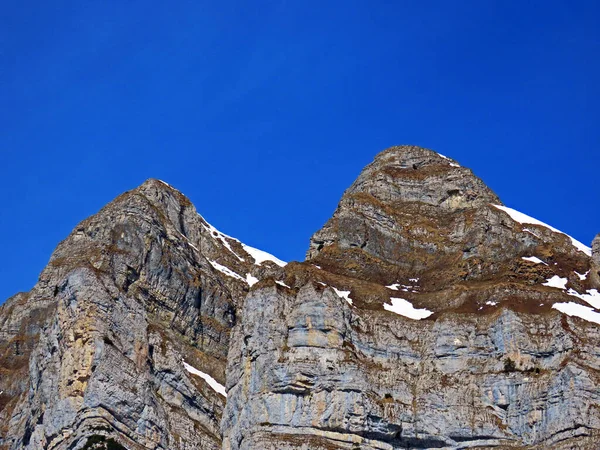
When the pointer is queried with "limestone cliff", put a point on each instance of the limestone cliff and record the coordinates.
(426, 315)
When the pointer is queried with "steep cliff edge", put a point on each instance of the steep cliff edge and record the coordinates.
(426, 315)
(124, 339)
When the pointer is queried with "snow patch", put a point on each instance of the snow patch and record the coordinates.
(577, 310)
(281, 283)
(251, 280)
(491, 303)
(534, 259)
(582, 276)
(226, 270)
(222, 237)
(261, 256)
(453, 164)
(592, 297)
(343, 294)
(405, 287)
(556, 282)
(524, 218)
(214, 384)
(406, 309)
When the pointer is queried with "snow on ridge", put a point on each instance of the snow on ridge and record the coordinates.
(261, 256)
(214, 384)
(226, 270)
(453, 164)
(281, 283)
(534, 259)
(525, 219)
(343, 294)
(250, 280)
(223, 238)
(406, 309)
(592, 297)
(577, 310)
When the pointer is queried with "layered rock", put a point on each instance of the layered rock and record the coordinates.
(493, 363)
(426, 315)
(95, 352)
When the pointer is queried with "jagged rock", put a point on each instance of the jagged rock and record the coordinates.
(130, 294)
(145, 308)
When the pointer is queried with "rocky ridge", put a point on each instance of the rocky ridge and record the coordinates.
(427, 315)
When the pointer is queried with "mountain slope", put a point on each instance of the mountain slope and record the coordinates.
(133, 292)
(426, 315)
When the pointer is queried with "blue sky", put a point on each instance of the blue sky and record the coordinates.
(263, 112)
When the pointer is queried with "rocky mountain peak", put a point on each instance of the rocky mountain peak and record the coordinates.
(427, 315)
(416, 214)
(414, 174)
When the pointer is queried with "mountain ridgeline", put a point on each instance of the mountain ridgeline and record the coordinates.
(427, 314)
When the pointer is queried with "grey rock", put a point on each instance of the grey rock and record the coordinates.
(97, 347)
(310, 354)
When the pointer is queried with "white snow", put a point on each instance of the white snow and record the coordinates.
(281, 283)
(405, 287)
(451, 163)
(491, 303)
(582, 276)
(226, 270)
(223, 238)
(214, 384)
(406, 309)
(251, 280)
(343, 294)
(556, 282)
(166, 184)
(524, 218)
(575, 309)
(534, 259)
(592, 297)
(261, 256)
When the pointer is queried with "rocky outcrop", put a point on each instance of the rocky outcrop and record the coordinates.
(343, 362)
(426, 315)
(595, 276)
(96, 351)
(325, 374)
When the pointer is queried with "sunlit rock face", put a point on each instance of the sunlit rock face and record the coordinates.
(427, 315)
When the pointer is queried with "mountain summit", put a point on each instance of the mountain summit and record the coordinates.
(427, 315)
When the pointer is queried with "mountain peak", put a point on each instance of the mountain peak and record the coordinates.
(415, 174)
(150, 328)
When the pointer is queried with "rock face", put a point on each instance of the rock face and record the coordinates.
(426, 315)
(95, 352)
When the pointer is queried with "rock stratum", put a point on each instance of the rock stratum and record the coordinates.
(426, 315)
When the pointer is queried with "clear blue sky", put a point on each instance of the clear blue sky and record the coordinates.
(264, 112)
